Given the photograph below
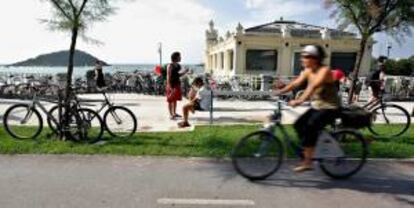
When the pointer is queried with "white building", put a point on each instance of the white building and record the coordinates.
(274, 49)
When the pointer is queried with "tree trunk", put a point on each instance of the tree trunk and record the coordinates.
(68, 87)
(355, 73)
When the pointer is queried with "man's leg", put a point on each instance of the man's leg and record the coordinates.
(170, 109)
(174, 108)
(316, 121)
(186, 111)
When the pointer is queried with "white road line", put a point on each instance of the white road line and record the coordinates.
(213, 202)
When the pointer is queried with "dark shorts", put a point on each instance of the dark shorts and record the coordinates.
(173, 94)
(197, 106)
(376, 89)
(310, 124)
(100, 82)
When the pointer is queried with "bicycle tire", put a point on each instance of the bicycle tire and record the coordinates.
(8, 127)
(86, 116)
(49, 121)
(130, 115)
(238, 155)
(340, 135)
(404, 114)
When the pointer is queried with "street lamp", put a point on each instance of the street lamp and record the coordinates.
(389, 47)
(160, 52)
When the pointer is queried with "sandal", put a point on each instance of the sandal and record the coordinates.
(183, 125)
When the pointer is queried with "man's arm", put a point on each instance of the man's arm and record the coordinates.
(317, 82)
(184, 72)
(169, 69)
(295, 83)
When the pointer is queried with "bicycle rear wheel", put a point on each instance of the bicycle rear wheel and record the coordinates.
(258, 155)
(86, 126)
(23, 122)
(120, 122)
(390, 121)
(354, 153)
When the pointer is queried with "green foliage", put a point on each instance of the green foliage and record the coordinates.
(404, 67)
(79, 14)
(206, 141)
(371, 16)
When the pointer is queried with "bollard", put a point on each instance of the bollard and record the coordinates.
(211, 106)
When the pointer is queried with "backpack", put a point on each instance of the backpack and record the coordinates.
(372, 76)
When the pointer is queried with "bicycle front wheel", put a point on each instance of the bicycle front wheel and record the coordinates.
(390, 121)
(258, 155)
(86, 126)
(120, 122)
(350, 160)
(23, 122)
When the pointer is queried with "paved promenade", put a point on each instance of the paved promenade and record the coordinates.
(152, 112)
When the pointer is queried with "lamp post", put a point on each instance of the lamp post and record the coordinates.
(389, 47)
(160, 52)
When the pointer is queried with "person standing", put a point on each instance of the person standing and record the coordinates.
(173, 88)
(376, 78)
(99, 76)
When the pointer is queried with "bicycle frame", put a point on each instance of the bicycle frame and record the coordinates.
(36, 103)
(277, 125)
(287, 139)
(106, 103)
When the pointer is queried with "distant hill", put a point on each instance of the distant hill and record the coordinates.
(60, 58)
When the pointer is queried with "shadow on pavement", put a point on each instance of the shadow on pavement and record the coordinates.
(375, 178)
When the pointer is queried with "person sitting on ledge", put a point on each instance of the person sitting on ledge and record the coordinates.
(197, 101)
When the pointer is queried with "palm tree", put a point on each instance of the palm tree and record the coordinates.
(395, 17)
(76, 16)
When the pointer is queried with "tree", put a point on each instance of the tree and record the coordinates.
(368, 17)
(76, 16)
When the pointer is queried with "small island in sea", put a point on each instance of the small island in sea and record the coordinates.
(60, 58)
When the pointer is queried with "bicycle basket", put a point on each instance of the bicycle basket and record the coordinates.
(356, 117)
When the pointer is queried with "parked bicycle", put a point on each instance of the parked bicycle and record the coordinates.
(24, 121)
(118, 121)
(389, 120)
(341, 153)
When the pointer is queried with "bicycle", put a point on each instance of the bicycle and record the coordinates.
(118, 121)
(24, 121)
(257, 156)
(387, 114)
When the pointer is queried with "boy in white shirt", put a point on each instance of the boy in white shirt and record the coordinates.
(198, 101)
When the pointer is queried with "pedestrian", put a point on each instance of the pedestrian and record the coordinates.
(375, 80)
(99, 76)
(173, 88)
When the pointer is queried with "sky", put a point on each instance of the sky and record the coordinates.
(133, 33)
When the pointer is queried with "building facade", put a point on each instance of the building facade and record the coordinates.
(274, 49)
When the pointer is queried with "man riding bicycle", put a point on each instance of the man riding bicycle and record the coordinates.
(325, 101)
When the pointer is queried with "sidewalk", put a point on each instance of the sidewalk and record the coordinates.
(152, 112)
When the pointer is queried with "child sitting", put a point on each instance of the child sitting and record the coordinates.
(197, 101)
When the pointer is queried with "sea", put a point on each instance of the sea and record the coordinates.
(80, 72)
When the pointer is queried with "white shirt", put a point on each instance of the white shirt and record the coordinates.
(204, 96)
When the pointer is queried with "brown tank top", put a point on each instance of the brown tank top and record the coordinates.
(326, 97)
